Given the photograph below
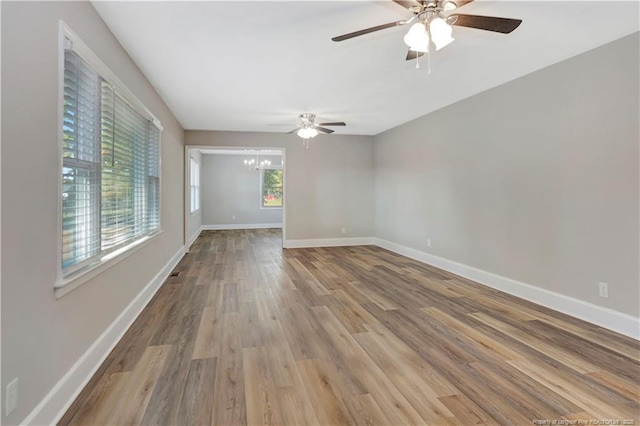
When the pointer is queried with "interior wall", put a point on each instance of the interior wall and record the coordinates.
(328, 186)
(535, 180)
(43, 337)
(231, 192)
(194, 220)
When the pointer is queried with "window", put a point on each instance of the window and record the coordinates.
(195, 186)
(271, 188)
(110, 163)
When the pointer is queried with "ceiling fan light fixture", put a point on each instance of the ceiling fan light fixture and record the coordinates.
(307, 132)
(417, 38)
(440, 33)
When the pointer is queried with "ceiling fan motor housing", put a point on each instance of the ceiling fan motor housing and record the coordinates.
(307, 118)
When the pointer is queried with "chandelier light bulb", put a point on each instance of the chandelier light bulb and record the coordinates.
(440, 33)
(417, 38)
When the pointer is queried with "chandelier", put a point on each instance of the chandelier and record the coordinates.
(256, 164)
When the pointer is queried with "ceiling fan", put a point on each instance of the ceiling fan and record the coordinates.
(429, 23)
(307, 127)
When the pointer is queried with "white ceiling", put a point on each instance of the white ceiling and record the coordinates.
(242, 65)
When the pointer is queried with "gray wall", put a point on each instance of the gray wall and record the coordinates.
(193, 220)
(328, 186)
(43, 337)
(536, 180)
(230, 189)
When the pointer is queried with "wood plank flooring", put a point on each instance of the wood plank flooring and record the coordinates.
(249, 333)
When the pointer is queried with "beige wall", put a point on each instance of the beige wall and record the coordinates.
(536, 180)
(328, 186)
(43, 337)
(230, 189)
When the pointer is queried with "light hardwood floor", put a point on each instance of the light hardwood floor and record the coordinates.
(249, 333)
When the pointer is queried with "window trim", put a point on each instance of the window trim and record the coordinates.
(262, 207)
(83, 272)
(92, 270)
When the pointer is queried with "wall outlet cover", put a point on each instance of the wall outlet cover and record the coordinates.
(603, 289)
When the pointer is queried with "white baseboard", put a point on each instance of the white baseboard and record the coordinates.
(328, 242)
(51, 409)
(599, 315)
(193, 238)
(241, 226)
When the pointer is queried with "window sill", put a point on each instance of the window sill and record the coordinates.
(78, 278)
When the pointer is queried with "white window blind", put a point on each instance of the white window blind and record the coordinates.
(111, 168)
(195, 185)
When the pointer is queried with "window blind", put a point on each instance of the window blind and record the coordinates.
(81, 162)
(194, 185)
(111, 168)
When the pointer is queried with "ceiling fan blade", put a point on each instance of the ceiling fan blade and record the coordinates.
(367, 31)
(293, 131)
(412, 54)
(488, 23)
(323, 130)
(408, 4)
(338, 123)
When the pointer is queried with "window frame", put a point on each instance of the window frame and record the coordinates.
(262, 206)
(194, 188)
(74, 276)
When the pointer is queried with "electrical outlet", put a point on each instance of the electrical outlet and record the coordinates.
(344, 230)
(428, 242)
(603, 289)
(11, 398)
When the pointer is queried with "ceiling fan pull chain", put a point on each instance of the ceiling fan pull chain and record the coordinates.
(418, 62)
(429, 62)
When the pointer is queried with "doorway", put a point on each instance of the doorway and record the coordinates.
(234, 188)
